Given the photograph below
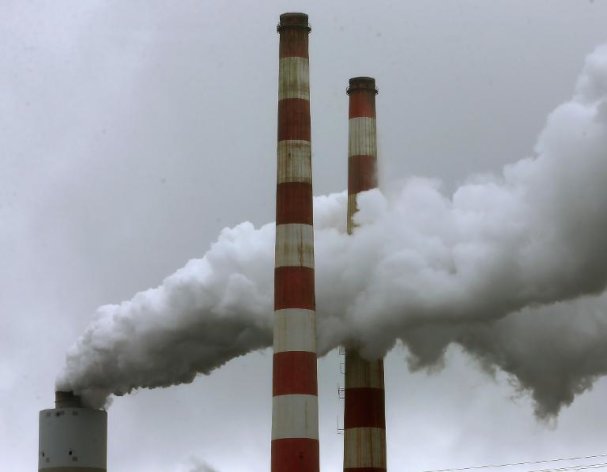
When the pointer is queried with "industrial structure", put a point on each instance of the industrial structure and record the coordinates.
(294, 384)
(72, 438)
(364, 413)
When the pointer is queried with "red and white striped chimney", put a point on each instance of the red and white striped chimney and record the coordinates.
(295, 389)
(364, 416)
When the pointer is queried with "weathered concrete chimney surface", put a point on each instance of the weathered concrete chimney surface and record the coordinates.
(364, 413)
(72, 438)
(294, 383)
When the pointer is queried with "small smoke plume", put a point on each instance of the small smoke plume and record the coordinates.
(196, 465)
(427, 268)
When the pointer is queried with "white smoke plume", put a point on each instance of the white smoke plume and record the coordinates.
(423, 267)
(195, 464)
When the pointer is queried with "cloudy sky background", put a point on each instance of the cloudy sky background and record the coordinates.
(132, 132)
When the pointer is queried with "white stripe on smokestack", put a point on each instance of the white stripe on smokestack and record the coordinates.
(365, 450)
(291, 328)
(362, 137)
(294, 383)
(289, 409)
(364, 415)
(294, 245)
(293, 78)
(294, 161)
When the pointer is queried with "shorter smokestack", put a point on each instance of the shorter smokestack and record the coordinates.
(364, 412)
(72, 438)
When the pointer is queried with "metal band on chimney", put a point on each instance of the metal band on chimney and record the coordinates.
(364, 414)
(294, 385)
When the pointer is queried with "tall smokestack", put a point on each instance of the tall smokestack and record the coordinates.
(72, 438)
(364, 416)
(295, 390)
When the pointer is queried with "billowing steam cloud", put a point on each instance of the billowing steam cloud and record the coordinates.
(424, 267)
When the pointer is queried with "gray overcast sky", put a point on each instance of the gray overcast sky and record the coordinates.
(132, 132)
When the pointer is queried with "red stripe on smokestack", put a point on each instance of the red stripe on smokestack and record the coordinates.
(293, 203)
(365, 406)
(362, 97)
(294, 30)
(294, 385)
(294, 373)
(294, 119)
(293, 288)
(301, 454)
(362, 174)
(364, 414)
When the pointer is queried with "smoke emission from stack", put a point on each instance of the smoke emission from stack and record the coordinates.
(423, 267)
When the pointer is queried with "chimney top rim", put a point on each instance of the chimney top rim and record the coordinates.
(362, 83)
(293, 20)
